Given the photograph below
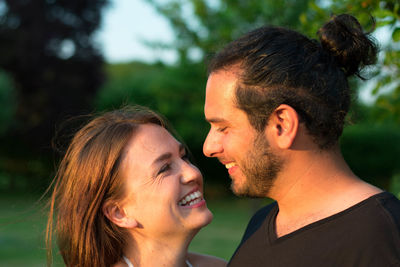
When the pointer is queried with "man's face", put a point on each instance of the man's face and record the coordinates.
(251, 163)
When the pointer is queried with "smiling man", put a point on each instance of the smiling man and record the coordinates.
(276, 102)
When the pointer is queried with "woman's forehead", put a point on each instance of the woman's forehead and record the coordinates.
(150, 141)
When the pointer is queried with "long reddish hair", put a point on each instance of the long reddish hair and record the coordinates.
(88, 177)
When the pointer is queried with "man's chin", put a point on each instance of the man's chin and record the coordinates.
(240, 190)
(245, 191)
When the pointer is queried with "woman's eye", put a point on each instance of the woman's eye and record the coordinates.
(164, 168)
(185, 157)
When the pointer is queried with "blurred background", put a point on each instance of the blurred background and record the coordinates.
(63, 58)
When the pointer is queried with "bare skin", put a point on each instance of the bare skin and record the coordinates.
(170, 253)
(197, 260)
(326, 188)
(314, 183)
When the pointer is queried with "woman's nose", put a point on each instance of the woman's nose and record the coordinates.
(190, 173)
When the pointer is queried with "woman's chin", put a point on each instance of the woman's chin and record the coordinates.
(206, 219)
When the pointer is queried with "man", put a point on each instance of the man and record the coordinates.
(276, 102)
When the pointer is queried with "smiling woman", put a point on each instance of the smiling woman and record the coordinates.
(126, 194)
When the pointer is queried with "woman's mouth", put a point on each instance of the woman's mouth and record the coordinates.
(191, 199)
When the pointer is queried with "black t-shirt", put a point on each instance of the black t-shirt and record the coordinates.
(366, 234)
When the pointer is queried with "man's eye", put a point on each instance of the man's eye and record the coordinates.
(222, 129)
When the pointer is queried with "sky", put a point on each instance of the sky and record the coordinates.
(126, 24)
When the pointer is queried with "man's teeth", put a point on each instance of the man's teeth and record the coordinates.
(230, 165)
(190, 199)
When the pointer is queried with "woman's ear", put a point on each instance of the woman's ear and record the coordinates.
(118, 215)
(285, 123)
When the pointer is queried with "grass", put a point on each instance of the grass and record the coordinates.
(22, 230)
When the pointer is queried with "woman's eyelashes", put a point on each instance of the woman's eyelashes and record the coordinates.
(164, 168)
(168, 165)
(185, 156)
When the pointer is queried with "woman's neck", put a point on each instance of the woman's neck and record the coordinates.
(145, 251)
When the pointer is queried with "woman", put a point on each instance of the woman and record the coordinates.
(126, 194)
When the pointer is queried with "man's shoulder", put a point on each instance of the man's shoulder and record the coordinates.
(381, 207)
(261, 214)
(391, 205)
(257, 220)
(384, 214)
(255, 223)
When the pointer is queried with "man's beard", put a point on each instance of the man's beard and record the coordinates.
(260, 167)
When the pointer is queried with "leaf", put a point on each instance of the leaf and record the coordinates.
(396, 35)
(382, 13)
(303, 18)
(383, 23)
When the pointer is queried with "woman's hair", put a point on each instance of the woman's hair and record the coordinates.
(281, 66)
(89, 175)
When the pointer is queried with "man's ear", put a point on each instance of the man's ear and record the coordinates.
(118, 215)
(284, 123)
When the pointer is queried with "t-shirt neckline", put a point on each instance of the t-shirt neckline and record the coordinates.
(271, 219)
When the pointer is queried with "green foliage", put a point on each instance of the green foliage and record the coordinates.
(54, 62)
(7, 102)
(127, 83)
(395, 185)
(177, 92)
(372, 152)
(204, 26)
(387, 26)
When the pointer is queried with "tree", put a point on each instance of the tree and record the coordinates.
(55, 67)
(48, 49)
(387, 73)
(203, 26)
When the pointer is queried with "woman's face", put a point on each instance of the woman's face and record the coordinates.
(164, 191)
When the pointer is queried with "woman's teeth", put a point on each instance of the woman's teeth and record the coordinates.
(190, 199)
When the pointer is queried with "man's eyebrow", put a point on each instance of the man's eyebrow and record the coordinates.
(215, 120)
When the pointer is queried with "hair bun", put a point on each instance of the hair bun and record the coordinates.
(344, 39)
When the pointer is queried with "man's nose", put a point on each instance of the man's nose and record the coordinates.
(212, 145)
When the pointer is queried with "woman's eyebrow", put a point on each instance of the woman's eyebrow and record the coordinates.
(168, 155)
(162, 157)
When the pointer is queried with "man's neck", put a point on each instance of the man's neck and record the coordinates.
(316, 185)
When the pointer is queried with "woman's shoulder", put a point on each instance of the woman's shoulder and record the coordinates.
(120, 264)
(200, 260)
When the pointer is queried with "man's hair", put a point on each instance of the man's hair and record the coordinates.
(281, 66)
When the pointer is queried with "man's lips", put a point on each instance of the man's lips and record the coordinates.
(231, 166)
